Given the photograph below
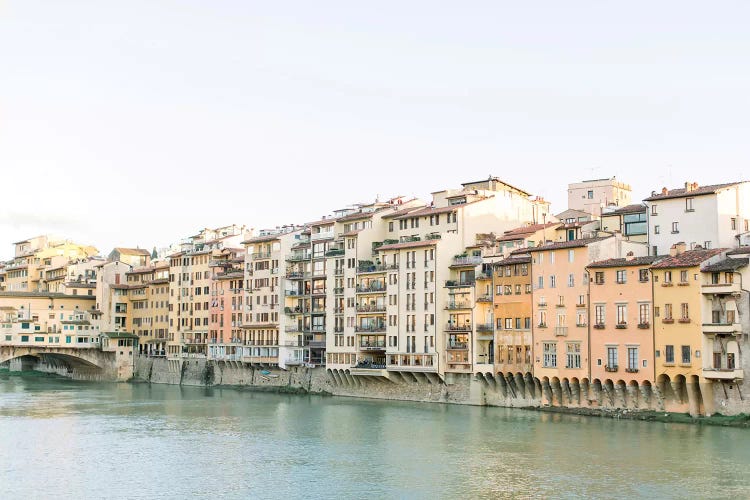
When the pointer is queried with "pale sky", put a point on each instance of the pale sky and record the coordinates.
(139, 122)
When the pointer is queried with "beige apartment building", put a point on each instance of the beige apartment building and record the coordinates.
(591, 195)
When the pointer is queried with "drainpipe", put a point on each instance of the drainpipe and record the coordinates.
(653, 327)
(588, 320)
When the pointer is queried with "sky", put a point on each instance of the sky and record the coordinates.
(137, 123)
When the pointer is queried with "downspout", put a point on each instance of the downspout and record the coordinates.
(653, 326)
(588, 318)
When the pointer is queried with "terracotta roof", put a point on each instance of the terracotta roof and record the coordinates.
(739, 251)
(519, 232)
(75, 284)
(688, 258)
(408, 244)
(432, 210)
(731, 264)
(513, 260)
(627, 209)
(264, 238)
(352, 233)
(624, 262)
(132, 251)
(682, 192)
(141, 270)
(561, 244)
(358, 216)
(402, 212)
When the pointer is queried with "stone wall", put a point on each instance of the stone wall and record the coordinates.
(507, 390)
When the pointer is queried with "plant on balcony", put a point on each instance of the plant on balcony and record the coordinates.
(621, 326)
(542, 325)
(599, 326)
(631, 370)
(644, 326)
(612, 368)
(683, 320)
(668, 321)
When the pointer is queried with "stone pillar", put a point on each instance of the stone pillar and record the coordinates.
(707, 391)
(632, 391)
(645, 396)
(521, 386)
(694, 399)
(575, 393)
(677, 390)
(547, 392)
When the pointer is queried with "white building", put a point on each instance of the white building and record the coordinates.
(710, 216)
(591, 195)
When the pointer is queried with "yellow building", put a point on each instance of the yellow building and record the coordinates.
(512, 303)
(678, 330)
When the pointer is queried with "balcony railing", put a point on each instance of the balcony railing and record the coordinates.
(369, 328)
(485, 327)
(371, 288)
(458, 305)
(484, 298)
(260, 255)
(298, 256)
(450, 327)
(561, 331)
(611, 368)
(459, 283)
(458, 346)
(371, 308)
(471, 260)
(373, 345)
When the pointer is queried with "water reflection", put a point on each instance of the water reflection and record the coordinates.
(176, 442)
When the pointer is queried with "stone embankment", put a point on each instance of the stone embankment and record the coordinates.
(645, 401)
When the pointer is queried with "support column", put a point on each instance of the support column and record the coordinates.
(694, 399)
(707, 391)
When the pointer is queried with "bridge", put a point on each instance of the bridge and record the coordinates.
(109, 357)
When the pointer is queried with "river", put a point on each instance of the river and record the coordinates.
(65, 439)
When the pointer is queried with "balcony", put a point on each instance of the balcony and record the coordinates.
(720, 288)
(298, 256)
(335, 252)
(260, 255)
(373, 268)
(323, 235)
(612, 368)
(296, 275)
(722, 328)
(450, 327)
(411, 362)
(459, 283)
(723, 373)
(371, 308)
(338, 291)
(466, 261)
(376, 288)
(621, 326)
(599, 326)
(485, 327)
(581, 305)
(458, 346)
(339, 271)
(484, 298)
(561, 331)
(644, 326)
(458, 305)
(370, 328)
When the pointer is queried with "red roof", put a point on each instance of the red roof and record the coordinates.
(561, 244)
(688, 258)
(682, 192)
(408, 244)
(519, 232)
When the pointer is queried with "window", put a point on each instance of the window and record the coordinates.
(632, 358)
(643, 275)
(541, 282)
(707, 245)
(571, 280)
(552, 281)
(669, 354)
(635, 224)
(543, 318)
(657, 229)
(733, 223)
(653, 210)
(667, 311)
(622, 276)
(689, 205)
(643, 314)
(599, 314)
(622, 314)
(573, 358)
(549, 350)
(686, 354)
(683, 277)
(571, 255)
(508, 323)
(675, 227)
(667, 276)
(612, 357)
(590, 194)
(599, 277)
(684, 311)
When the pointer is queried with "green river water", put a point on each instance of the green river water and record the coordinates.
(65, 439)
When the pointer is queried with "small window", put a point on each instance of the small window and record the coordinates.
(657, 229)
(675, 227)
(689, 204)
(653, 210)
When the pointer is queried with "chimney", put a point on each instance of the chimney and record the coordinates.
(664, 190)
(629, 256)
(677, 248)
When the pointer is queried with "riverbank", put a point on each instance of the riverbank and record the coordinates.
(455, 388)
(741, 421)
